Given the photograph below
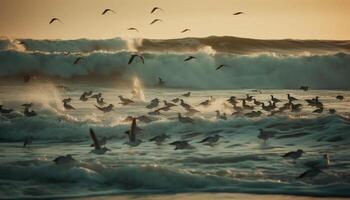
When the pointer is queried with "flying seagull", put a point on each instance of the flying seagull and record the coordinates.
(107, 10)
(238, 13)
(155, 9)
(133, 57)
(185, 30)
(156, 20)
(54, 19)
(77, 61)
(190, 58)
(97, 145)
(133, 29)
(221, 67)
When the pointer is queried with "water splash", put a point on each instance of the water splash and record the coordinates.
(137, 91)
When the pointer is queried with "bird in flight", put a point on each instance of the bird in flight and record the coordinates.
(190, 58)
(77, 61)
(133, 29)
(156, 20)
(108, 10)
(133, 56)
(185, 30)
(221, 67)
(238, 13)
(155, 9)
(54, 19)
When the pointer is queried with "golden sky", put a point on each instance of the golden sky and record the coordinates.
(265, 19)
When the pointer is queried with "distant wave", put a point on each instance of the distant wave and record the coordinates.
(79, 45)
(242, 71)
(227, 44)
(221, 44)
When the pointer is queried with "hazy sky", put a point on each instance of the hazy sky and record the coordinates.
(266, 19)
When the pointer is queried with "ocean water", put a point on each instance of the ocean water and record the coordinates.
(239, 163)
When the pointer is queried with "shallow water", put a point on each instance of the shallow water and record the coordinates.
(239, 162)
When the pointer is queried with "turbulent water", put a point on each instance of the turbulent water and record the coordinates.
(239, 162)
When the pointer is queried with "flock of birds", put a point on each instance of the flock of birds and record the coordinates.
(79, 59)
(156, 106)
(239, 107)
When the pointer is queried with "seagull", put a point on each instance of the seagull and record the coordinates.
(210, 140)
(133, 29)
(340, 97)
(245, 106)
(275, 99)
(249, 97)
(187, 94)
(28, 77)
(28, 113)
(205, 103)
(175, 100)
(290, 98)
(83, 97)
(155, 9)
(54, 19)
(305, 88)
(67, 106)
(105, 109)
(159, 139)
(258, 103)
(67, 100)
(185, 119)
(265, 135)
(5, 111)
(185, 105)
(190, 58)
(168, 104)
(100, 101)
(156, 20)
(98, 149)
(68, 159)
(332, 111)
(160, 81)
(77, 61)
(181, 144)
(133, 56)
(185, 30)
(238, 13)
(125, 101)
(107, 10)
(294, 154)
(133, 141)
(220, 67)
(309, 173)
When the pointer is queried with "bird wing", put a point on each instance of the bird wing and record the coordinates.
(94, 139)
(131, 59)
(77, 60)
(220, 67)
(142, 59)
(154, 21)
(132, 134)
(185, 30)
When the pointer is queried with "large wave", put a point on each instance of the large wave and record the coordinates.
(242, 71)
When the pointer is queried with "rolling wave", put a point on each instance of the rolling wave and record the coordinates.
(242, 71)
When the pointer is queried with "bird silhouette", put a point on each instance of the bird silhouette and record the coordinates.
(155, 9)
(156, 20)
(107, 10)
(54, 19)
(133, 56)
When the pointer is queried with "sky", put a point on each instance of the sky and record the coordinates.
(264, 19)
